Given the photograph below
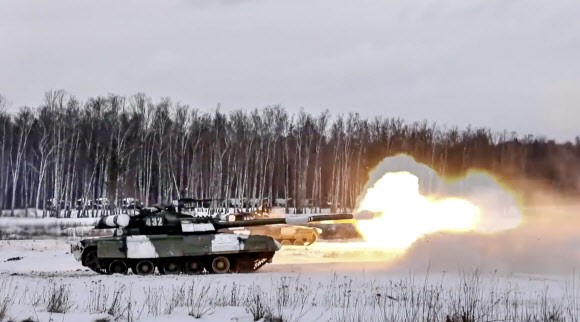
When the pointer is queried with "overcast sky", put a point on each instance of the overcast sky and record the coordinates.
(506, 64)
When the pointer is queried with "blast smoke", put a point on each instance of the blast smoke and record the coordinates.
(411, 200)
(508, 236)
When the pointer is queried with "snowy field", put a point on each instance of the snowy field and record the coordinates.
(39, 279)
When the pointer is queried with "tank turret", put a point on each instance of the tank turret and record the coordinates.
(165, 239)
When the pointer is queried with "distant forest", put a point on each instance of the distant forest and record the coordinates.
(117, 147)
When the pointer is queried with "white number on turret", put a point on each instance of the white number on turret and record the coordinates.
(155, 221)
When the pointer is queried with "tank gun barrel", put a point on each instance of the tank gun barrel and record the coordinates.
(297, 220)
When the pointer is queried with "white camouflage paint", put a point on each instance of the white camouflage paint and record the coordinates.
(226, 242)
(297, 220)
(140, 247)
(190, 227)
(116, 220)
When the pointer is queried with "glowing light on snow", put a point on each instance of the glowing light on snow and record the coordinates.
(407, 215)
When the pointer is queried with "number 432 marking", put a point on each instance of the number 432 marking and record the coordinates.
(155, 221)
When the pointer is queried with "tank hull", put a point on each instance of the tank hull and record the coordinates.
(181, 252)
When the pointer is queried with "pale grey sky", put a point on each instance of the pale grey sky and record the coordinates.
(504, 64)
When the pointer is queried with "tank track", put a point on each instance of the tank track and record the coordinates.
(239, 263)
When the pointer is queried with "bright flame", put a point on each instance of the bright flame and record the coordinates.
(407, 215)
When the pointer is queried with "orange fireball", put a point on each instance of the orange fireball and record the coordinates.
(404, 215)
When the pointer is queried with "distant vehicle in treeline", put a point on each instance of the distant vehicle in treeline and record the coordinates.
(84, 207)
(131, 203)
(84, 204)
(53, 204)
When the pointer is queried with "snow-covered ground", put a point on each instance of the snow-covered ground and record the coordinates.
(322, 282)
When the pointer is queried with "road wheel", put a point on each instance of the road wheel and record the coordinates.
(220, 265)
(193, 267)
(170, 267)
(298, 242)
(118, 267)
(92, 261)
(145, 267)
(286, 242)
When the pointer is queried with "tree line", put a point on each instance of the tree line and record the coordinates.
(117, 147)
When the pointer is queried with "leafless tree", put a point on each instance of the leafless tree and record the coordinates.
(115, 147)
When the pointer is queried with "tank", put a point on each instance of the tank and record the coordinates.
(172, 242)
(284, 234)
